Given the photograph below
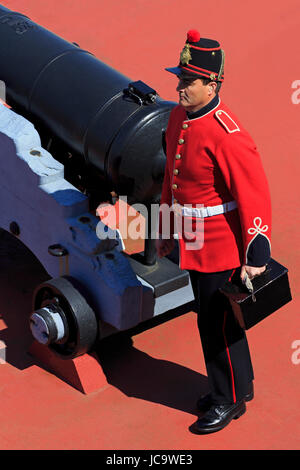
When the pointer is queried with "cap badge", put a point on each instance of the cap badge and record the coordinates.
(185, 55)
(213, 76)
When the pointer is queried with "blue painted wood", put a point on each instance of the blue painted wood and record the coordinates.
(49, 210)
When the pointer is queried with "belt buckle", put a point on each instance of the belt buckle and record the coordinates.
(204, 212)
(210, 211)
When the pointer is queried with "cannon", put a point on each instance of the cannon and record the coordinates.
(77, 133)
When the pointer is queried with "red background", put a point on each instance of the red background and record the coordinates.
(140, 38)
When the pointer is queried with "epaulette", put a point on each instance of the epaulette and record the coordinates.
(227, 122)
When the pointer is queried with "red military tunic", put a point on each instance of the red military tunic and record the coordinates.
(212, 160)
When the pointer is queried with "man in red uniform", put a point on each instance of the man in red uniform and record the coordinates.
(213, 163)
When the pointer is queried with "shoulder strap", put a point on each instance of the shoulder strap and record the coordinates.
(227, 122)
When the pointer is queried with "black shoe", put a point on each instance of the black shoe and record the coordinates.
(217, 417)
(205, 402)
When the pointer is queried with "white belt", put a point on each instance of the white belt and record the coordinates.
(206, 211)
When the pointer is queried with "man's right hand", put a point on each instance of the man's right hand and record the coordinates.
(164, 247)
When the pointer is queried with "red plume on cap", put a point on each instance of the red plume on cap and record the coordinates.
(193, 35)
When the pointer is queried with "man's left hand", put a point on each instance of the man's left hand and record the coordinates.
(252, 271)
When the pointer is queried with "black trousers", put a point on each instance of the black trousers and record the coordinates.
(224, 342)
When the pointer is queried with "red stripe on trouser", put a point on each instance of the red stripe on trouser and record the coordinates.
(229, 360)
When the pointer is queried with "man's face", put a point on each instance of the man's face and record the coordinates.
(193, 95)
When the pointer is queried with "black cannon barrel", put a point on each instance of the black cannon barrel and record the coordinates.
(82, 101)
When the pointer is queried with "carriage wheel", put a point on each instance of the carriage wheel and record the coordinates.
(62, 319)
